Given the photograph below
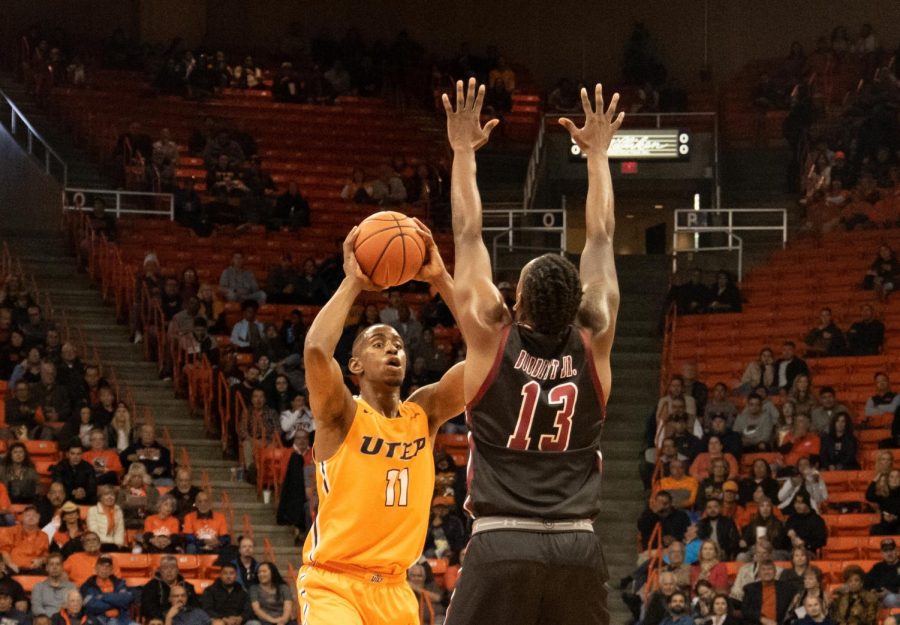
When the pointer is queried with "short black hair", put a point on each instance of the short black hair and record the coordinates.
(826, 389)
(249, 303)
(753, 396)
(551, 293)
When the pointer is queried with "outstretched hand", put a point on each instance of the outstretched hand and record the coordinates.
(352, 270)
(599, 126)
(433, 266)
(464, 129)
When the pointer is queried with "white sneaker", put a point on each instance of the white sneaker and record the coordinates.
(138, 337)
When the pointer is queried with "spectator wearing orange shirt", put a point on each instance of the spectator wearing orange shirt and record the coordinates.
(682, 488)
(205, 531)
(105, 461)
(24, 547)
(7, 518)
(700, 467)
(81, 565)
(800, 443)
(162, 531)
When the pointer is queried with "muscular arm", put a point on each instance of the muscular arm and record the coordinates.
(600, 300)
(480, 310)
(442, 400)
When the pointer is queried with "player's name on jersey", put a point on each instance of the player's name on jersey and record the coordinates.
(545, 369)
(375, 446)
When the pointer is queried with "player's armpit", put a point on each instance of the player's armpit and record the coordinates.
(444, 399)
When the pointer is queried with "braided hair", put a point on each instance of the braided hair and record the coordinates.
(551, 293)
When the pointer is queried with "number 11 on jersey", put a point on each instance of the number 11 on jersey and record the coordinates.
(397, 487)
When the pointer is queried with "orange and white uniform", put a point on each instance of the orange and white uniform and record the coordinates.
(374, 501)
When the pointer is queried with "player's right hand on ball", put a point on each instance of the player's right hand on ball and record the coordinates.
(352, 270)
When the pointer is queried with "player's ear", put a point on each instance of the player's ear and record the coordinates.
(355, 365)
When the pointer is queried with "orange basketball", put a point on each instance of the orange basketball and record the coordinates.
(389, 249)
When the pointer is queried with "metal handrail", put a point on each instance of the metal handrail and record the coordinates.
(16, 116)
(118, 193)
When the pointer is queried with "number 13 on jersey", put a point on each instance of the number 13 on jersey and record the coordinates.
(564, 396)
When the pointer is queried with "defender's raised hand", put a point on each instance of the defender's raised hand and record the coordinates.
(464, 129)
(599, 126)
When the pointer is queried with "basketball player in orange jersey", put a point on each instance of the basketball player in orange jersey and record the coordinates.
(536, 382)
(374, 463)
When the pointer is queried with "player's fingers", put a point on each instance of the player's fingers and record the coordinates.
(598, 98)
(568, 124)
(586, 102)
(470, 94)
(613, 104)
(447, 106)
(424, 230)
(479, 99)
(460, 101)
(488, 127)
(618, 123)
(351, 238)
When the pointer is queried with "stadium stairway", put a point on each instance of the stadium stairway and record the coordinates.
(45, 257)
(643, 281)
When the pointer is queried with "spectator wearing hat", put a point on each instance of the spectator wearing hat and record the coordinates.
(686, 443)
(24, 547)
(682, 487)
(805, 527)
(884, 576)
(9, 613)
(49, 595)
(731, 506)
(446, 530)
(719, 528)
(106, 597)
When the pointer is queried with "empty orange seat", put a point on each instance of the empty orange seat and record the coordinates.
(132, 564)
(843, 547)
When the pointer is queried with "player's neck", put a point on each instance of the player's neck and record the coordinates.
(385, 400)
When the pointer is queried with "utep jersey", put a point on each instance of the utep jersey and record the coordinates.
(375, 493)
(535, 429)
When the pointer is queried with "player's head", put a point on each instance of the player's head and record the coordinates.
(548, 294)
(379, 356)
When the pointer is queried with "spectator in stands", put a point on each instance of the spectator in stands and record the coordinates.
(155, 457)
(884, 576)
(826, 339)
(291, 209)
(106, 597)
(119, 432)
(77, 476)
(667, 453)
(388, 188)
(200, 342)
(805, 527)
(246, 565)
(265, 418)
(678, 612)
(676, 390)
(137, 496)
(297, 418)
(789, 366)
(66, 530)
(72, 611)
(162, 531)
(47, 392)
(713, 486)
(884, 272)
(504, 73)
(759, 484)
(763, 524)
(682, 487)
(785, 423)
(498, 100)
(181, 612)
(24, 547)
(700, 467)
(801, 395)
(725, 297)
(49, 596)
(749, 573)
(107, 520)
(21, 413)
(884, 401)
(18, 473)
(165, 160)
(694, 388)
(237, 283)
(184, 493)
(692, 297)
(247, 334)
(427, 594)
(223, 145)
(866, 336)
(358, 189)
(9, 613)
(886, 494)
(134, 148)
(802, 479)
(839, 445)
(155, 593)
(811, 591)
(270, 599)
(709, 566)
(674, 522)
(754, 425)
(856, 606)
(657, 603)
(80, 565)
(719, 426)
(766, 601)
(225, 601)
(759, 372)
(282, 282)
(800, 442)
(828, 408)
(716, 527)
(205, 530)
(223, 180)
(28, 369)
(564, 98)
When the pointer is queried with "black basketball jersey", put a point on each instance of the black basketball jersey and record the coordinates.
(534, 429)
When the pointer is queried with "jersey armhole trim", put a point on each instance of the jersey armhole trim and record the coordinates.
(589, 353)
(495, 369)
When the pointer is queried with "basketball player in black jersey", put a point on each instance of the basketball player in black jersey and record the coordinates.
(536, 383)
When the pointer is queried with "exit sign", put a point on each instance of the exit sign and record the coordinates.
(629, 167)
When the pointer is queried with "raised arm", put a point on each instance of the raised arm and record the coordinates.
(600, 302)
(479, 305)
(330, 400)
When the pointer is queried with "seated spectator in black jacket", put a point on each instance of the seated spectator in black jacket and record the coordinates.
(725, 531)
(725, 296)
(888, 504)
(48, 392)
(77, 476)
(291, 209)
(839, 445)
(687, 444)
(674, 522)
(731, 440)
(826, 339)
(789, 366)
(283, 282)
(759, 484)
(155, 593)
(21, 411)
(884, 577)
(691, 297)
(866, 336)
(225, 601)
(154, 456)
(805, 527)
(757, 604)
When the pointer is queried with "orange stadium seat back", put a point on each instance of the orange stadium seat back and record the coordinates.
(132, 564)
(843, 547)
(839, 481)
